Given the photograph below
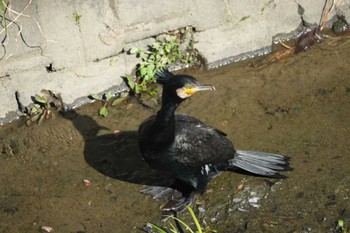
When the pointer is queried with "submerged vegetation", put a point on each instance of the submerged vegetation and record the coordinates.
(179, 225)
(341, 226)
(109, 99)
(175, 47)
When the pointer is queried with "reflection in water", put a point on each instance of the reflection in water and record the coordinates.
(115, 155)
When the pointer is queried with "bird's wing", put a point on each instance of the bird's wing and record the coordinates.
(198, 144)
(182, 118)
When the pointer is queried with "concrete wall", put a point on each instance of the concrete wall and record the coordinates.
(88, 56)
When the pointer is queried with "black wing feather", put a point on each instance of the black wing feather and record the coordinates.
(198, 144)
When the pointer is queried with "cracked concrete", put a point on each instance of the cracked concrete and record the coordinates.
(86, 56)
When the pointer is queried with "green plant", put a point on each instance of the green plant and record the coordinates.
(179, 222)
(43, 106)
(342, 226)
(164, 51)
(76, 17)
(106, 99)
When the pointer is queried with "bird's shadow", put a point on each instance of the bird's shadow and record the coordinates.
(115, 155)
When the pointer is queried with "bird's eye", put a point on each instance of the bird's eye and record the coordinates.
(188, 85)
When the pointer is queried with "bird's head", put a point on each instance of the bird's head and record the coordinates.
(182, 86)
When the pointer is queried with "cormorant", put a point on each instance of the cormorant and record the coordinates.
(190, 151)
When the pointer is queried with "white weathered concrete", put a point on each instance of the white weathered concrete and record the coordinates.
(88, 56)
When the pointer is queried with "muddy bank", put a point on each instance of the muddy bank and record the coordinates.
(299, 106)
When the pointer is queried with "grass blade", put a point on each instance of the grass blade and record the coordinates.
(183, 223)
(159, 229)
(199, 228)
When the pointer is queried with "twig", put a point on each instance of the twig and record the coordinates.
(14, 19)
(18, 14)
(325, 14)
(29, 16)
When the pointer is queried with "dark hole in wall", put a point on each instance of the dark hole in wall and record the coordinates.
(50, 68)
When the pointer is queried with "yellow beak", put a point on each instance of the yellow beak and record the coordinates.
(194, 89)
(186, 92)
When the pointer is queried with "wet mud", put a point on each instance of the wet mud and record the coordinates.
(298, 106)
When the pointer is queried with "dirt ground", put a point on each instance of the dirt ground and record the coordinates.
(298, 106)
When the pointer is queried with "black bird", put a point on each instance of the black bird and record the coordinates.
(190, 151)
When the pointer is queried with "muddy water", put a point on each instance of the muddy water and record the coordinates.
(298, 106)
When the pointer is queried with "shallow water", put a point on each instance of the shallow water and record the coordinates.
(298, 106)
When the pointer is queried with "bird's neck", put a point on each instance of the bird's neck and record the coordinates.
(163, 128)
(165, 115)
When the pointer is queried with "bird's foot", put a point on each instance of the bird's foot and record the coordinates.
(177, 205)
(176, 201)
(158, 192)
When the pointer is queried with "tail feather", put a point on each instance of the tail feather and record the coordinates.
(260, 163)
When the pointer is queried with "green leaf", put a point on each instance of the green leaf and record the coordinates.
(167, 48)
(161, 51)
(150, 70)
(41, 118)
(109, 96)
(131, 82)
(142, 54)
(146, 78)
(342, 227)
(199, 228)
(28, 122)
(152, 92)
(40, 99)
(35, 117)
(173, 228)
(159, 229)
(152, 57)
(183, 223)
(104, 112)
(124, 94)
(164, 60)
(156, 45)
(137, 89)
(76, 16)
(143, 71)
(144, 63)
(118, 101)
(33, 110)
(134, 50)
(95, 96)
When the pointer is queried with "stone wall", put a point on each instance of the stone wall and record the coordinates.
(83, 57)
